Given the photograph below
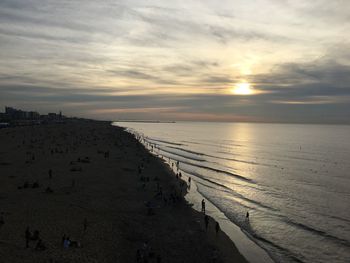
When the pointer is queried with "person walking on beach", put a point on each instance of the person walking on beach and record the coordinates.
(206, 221)
(203, 206)
(217, 227)
(247, 216)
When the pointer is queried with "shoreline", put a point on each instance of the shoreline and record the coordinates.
(96, 197)
(246, 245)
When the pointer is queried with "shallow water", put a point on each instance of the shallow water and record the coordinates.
(293, 179)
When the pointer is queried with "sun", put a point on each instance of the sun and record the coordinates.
(243, 88)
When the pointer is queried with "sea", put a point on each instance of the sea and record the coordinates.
(293, 179)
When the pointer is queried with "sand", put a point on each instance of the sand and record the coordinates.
(102, 181)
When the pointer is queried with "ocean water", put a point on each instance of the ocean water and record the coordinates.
(293, 179)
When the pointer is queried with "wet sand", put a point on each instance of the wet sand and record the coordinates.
(102, 180)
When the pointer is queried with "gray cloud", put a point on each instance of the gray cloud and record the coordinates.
(91, 56)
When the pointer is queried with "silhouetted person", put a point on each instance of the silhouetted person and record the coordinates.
(2, 221)
(66, 243)
(206, 221)
(203, 206)
(247, 215)
(217, 227)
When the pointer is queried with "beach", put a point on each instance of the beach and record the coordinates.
(99, 186)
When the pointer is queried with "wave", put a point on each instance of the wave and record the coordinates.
(338, 218)
(319, 232)
(286, 219)
(208, 180)
(183, 156)
(284, 250)
(220, 171)
(188, 151)
(163, 141)
(207, 167)
(232, 192)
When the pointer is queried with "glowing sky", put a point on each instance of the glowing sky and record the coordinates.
(178, 60)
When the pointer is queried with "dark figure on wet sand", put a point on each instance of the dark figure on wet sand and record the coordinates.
(203, 206)
(206, 221)
(247, 216)
(217, 227)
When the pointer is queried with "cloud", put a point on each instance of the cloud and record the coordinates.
(113, 58)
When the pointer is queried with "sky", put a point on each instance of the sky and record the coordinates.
(178, 60)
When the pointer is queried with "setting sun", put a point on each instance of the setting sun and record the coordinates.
(243, 88)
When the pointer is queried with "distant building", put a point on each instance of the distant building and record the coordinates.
(15, 114)
(52, 116)
(32, 115)
(20, 117)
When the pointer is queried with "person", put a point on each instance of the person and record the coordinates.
(139, 256)
(247, 215)
(203, 206)
(206, 221)
(217, 227)
(2, 221)
(66, 242)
